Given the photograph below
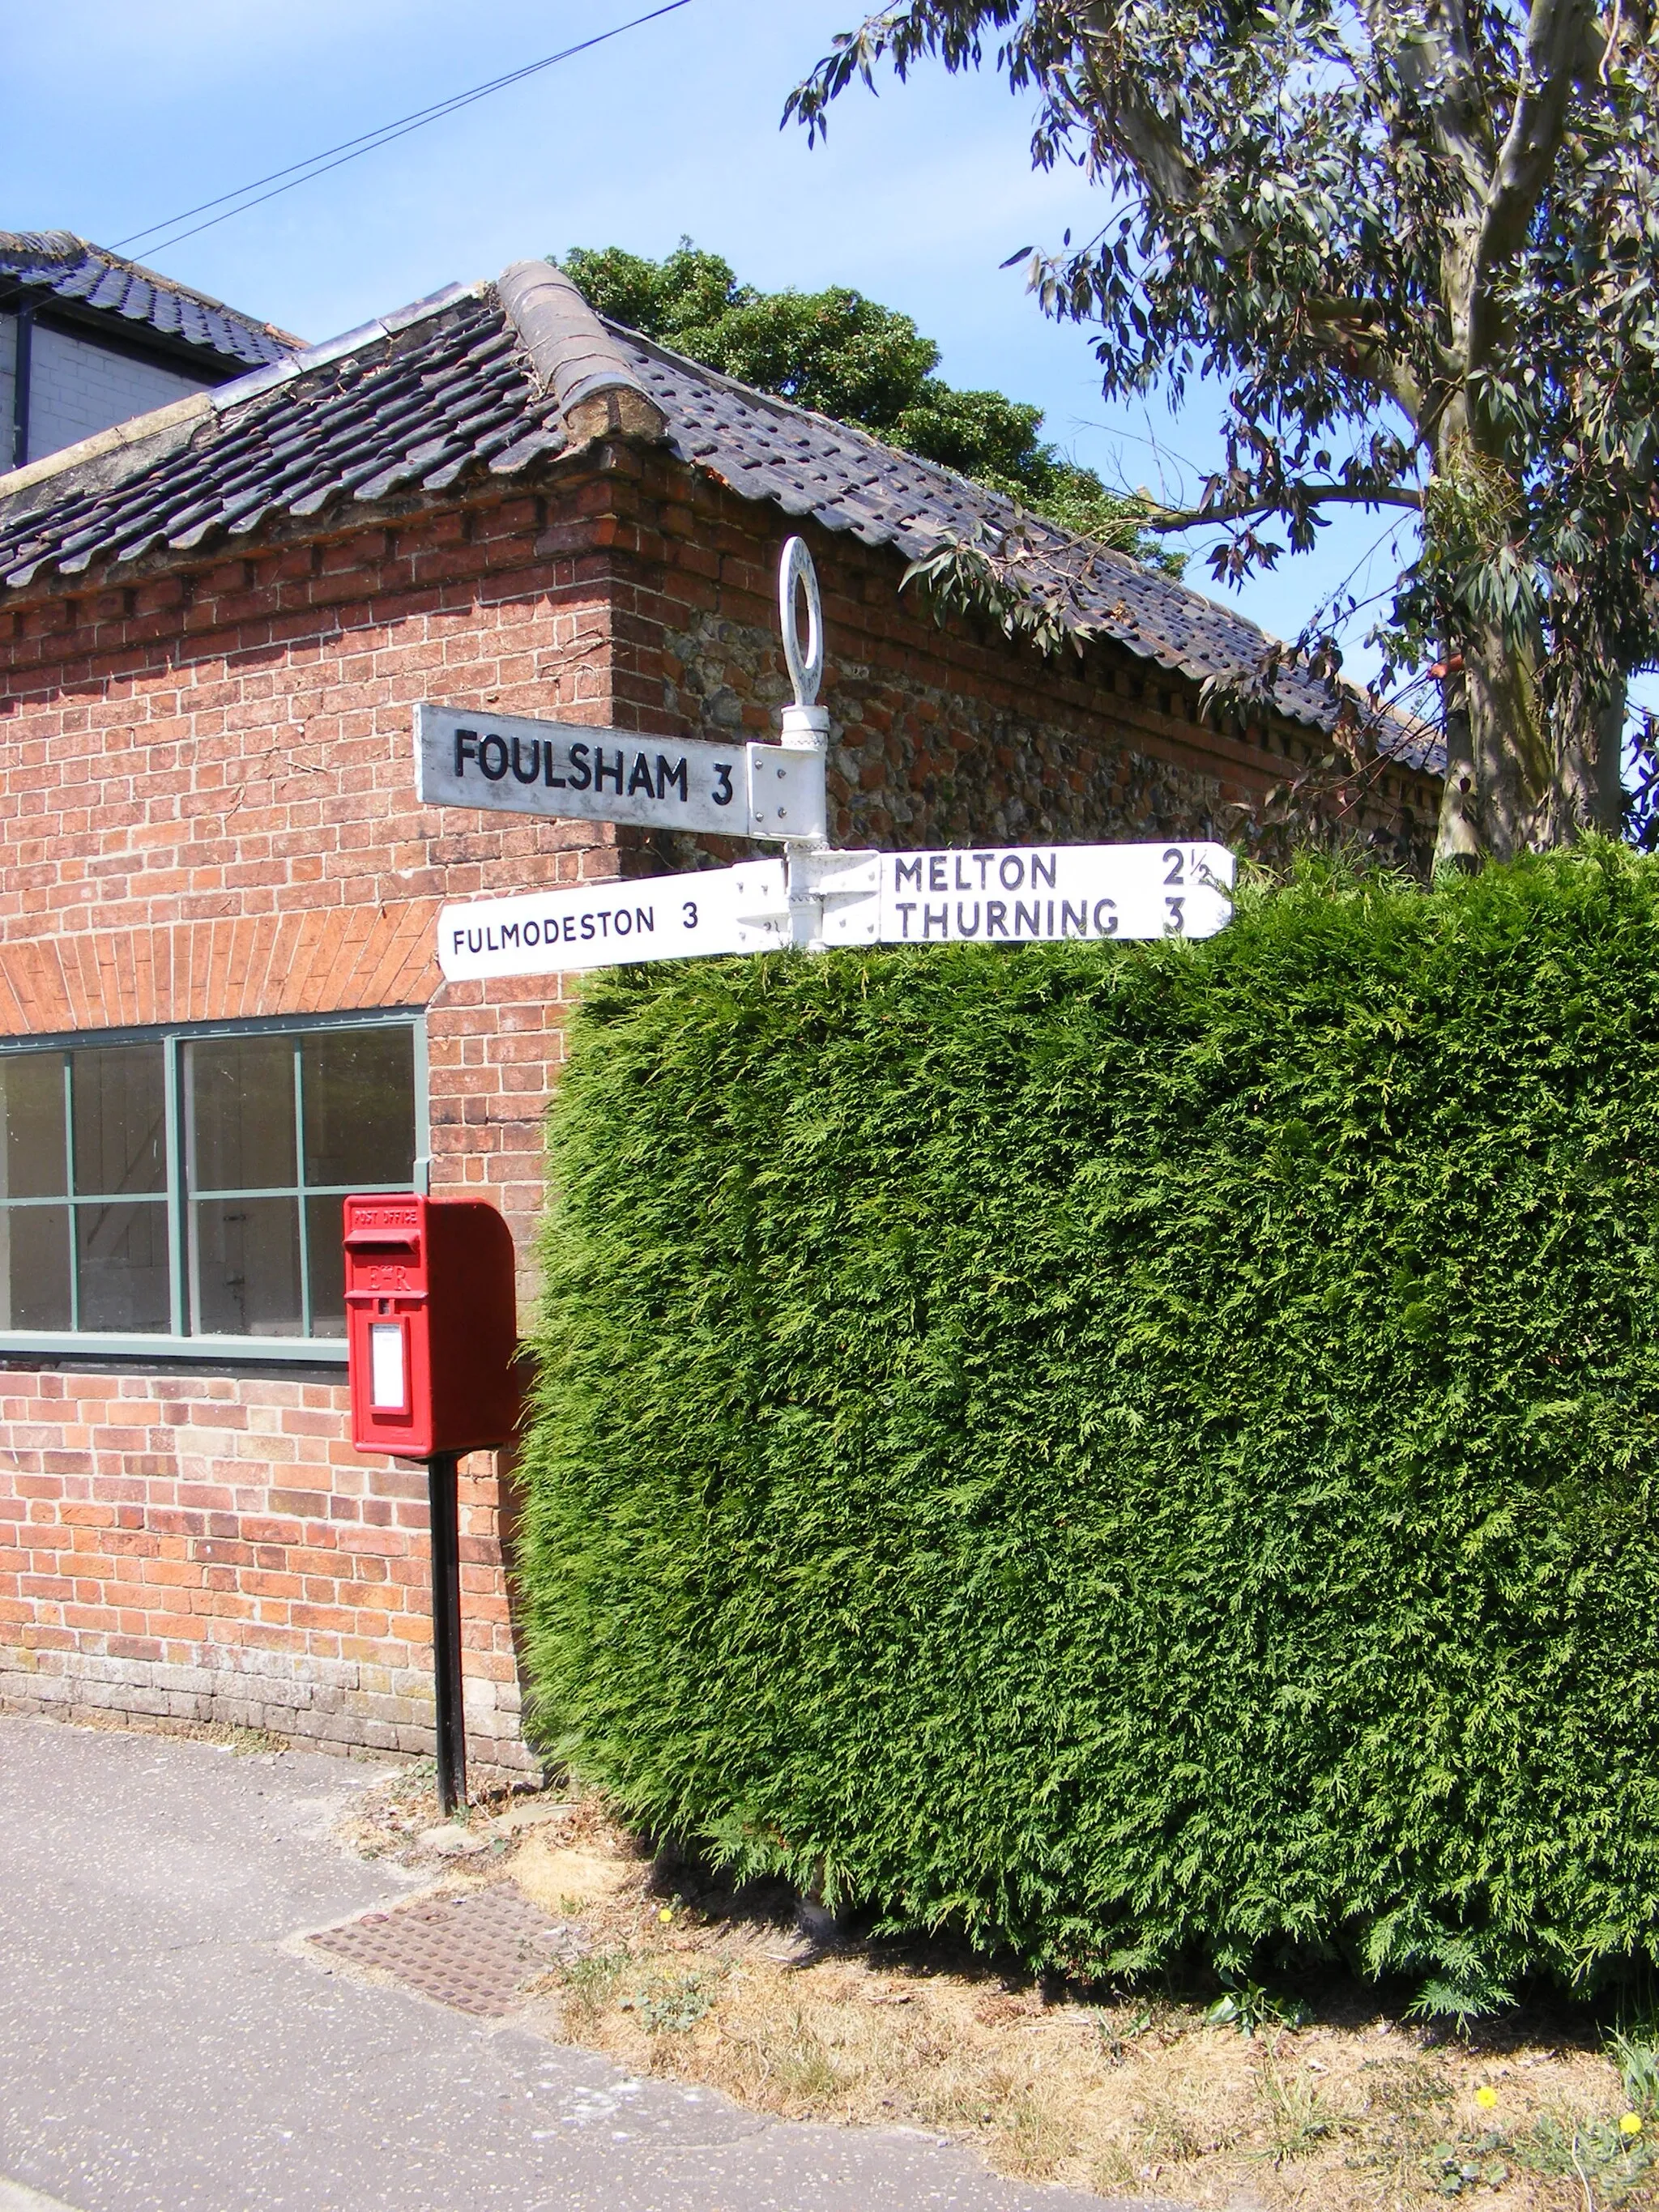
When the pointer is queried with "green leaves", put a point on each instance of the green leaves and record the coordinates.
(1141, 1452)
(846, 356)
(1417, 246)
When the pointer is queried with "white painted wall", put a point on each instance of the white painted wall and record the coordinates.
(75, 388)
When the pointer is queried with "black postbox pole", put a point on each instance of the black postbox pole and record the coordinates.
(431, 1363)
(441, 1490)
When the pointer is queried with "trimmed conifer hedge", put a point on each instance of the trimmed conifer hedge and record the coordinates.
(1135, 1451)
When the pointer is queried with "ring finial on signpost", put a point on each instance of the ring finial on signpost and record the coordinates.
(795, 576)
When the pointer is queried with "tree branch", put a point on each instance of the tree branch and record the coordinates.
(1349, 330)
(1150, 140)
(1235, 510)
(1556, 31)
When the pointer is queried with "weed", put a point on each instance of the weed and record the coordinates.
(1298, 2120)
(1248, 2006)
(805, 2068)
(1594, 2152)
(674, 2006)
(590, 1982)
(1405, 2086)
(1175, 2135)
(1636, 2057)
(1115, 2041)
(1457, 2169)
(789, 2057)
(252, 1742)
(1113, 2169)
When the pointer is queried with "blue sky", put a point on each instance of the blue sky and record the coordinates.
(118, 116)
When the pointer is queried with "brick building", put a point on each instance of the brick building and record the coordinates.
(219, 1001)
(89, 340)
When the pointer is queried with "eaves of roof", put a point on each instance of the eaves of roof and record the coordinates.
(481, 383)
(54, 270)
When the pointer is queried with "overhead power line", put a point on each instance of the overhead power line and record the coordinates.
(350, 150)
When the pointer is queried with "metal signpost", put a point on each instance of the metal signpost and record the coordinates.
(811, 897)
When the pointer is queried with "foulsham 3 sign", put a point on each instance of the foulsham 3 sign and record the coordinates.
(508, 764)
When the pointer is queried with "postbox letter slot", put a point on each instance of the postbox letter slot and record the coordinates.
(388, 1366)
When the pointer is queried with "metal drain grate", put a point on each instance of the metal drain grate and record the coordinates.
(475, 1951)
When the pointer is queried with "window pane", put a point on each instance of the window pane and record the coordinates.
(32, 1105)
(34, 1264)
(241, 1104)
(360, 1107)
(325, 1231)
(120, 1119)
(247, 1267)
(122, 1257)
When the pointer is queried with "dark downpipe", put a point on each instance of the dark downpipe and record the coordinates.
(23, 362)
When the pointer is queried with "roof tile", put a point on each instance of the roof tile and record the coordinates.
(445, 388)
(56, 264)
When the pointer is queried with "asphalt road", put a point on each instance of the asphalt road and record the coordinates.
(165, 2045)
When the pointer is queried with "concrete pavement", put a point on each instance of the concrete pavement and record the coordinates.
(164, 2047)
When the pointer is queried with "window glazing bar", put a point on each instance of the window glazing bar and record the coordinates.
(300, 1193)
(69, 1186)
(275, 1190)
(172, 1053)
(94, 1343)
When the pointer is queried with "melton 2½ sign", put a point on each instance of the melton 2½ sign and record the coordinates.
(1032, 895)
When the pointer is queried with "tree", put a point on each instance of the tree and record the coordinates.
(1418, 241)
(846, 356)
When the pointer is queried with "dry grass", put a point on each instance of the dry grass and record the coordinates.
(1359, 2109)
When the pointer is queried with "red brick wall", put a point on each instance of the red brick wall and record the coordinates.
(206, 1549)
(207, 811)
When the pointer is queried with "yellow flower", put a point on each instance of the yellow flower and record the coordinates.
(666, 1912)
(1485, 2098)
(1631, 2125)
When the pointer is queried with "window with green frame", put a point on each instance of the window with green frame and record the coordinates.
(189, 1185)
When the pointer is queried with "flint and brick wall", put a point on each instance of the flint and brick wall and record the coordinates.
(207, 812)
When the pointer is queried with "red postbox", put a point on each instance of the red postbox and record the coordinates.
(431, 1326)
